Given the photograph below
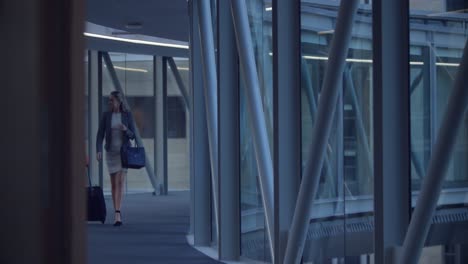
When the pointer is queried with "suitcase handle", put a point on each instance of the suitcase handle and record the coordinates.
(89, 177)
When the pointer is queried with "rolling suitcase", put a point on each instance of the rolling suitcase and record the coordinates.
(96, 203)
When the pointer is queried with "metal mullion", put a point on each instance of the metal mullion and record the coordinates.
(391, 110)
(287, 118)
(254, 106)
(199, 144)
(229, 138)
(210, 91)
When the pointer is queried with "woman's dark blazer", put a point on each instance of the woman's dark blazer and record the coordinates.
(105, 130)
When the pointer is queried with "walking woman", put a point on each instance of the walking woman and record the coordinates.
(116, 126)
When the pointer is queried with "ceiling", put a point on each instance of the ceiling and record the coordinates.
(160, 18)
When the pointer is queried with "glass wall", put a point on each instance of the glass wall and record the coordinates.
(341, 225)
(438, 32)
(135, 74)
(178, 145)
(254, 240)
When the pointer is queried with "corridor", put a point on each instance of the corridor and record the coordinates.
(154, 231)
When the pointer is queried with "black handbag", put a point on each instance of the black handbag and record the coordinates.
(133, 157)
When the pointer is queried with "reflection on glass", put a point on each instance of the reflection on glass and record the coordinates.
(254, 241)
(438, 32)
(341, 224)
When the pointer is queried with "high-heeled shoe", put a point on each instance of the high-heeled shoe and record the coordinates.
(118, 223)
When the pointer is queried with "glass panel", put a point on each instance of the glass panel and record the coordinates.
(178, 148)
(254, 241)
(437, 37)
(135, 74)
(341, 225)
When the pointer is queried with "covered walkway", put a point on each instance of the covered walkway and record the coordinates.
(154, 231)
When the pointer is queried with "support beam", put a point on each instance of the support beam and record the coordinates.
(157, 83)
(189, 117)
(162, 130)
(257, 118)
(229, 138)
(287, 118)
(199, 150)
(209, 76)
(93, 113)
(391, 112)
(160, 139)
(321, 131)
(306, 82)
(99, 69)
(118, 87)
(440, 159)
(180, 83)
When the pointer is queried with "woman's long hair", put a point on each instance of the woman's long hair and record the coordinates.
(118, 95)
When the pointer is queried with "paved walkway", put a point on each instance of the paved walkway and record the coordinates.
(154, 231)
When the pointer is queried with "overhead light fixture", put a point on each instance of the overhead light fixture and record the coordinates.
(331, 31)
(128, 69)
(307, 57)
(447, 64)
(359, 60)
(182, 68)
(137, 41)
(268, 9)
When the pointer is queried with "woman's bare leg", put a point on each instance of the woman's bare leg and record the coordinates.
(119, 192)
(114, 189)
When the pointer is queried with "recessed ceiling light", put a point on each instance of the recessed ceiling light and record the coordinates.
(136, 41)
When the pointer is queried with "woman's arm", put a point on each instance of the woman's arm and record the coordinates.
(130, 132)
